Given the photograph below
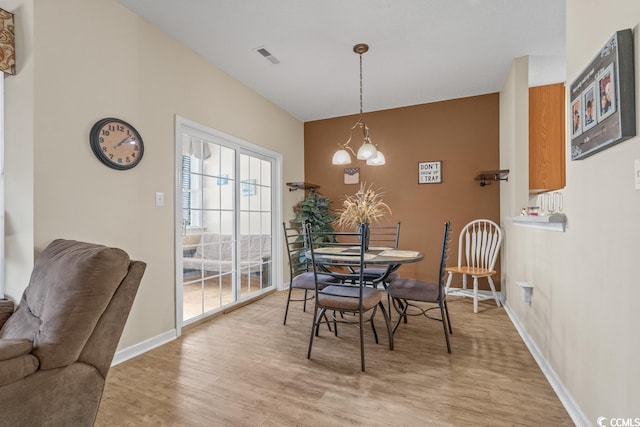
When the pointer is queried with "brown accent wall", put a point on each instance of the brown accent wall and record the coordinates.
(462, 133)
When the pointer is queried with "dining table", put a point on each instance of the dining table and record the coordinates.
(347, 256)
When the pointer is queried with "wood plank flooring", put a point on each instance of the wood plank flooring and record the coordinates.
(245, 368)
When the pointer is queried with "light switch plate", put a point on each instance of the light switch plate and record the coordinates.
(159, 199)
(636, 173)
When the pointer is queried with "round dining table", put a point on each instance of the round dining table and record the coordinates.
(374, 256)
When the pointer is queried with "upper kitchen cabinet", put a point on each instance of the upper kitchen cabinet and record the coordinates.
(547, 138)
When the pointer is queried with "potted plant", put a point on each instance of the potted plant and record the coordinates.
(316, 209)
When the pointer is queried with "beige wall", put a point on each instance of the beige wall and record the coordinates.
(584, 314)
(92, 59)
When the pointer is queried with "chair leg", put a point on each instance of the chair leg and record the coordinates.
(286, 310)
(361, 340)
(314, 327)
(493, 289)
(373, 326)
(387, 321)
(446, 310)
(304, 303)
(402, 313)
(475, 294)
(448, 285)
(444, 325)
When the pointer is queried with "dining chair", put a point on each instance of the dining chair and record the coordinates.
(408, 294)
(300, 271)
(350, 295)
(478, 248)
(386, 236)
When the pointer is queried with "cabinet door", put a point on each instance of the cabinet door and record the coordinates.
(547, 139)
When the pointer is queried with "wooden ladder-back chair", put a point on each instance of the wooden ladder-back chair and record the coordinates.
(478, 248)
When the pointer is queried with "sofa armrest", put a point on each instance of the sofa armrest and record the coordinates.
(6, 310)
(16, 360)
(12, 348)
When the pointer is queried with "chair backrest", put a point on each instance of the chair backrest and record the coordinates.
(384, 235)
(479, 244)
(446, 239)
(294, 241)
(352, 247)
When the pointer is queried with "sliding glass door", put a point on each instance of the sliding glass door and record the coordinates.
(224, 250)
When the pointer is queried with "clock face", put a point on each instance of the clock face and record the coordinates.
(116, 143)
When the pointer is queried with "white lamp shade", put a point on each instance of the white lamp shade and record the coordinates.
(367, 151)
(378, 160)
(341, 157)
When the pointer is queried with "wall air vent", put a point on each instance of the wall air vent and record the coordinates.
(264, 52)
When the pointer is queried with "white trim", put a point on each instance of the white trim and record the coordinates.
(144, 346)
(572, 407)
(2, 265)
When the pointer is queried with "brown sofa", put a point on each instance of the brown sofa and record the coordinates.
(57, 347)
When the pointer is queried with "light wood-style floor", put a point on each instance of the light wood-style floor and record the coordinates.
(245, 368)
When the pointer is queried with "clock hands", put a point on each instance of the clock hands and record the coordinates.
(130, 139)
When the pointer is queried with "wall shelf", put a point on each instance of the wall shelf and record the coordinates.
(554, 222)
(293, 186)
(493, 175)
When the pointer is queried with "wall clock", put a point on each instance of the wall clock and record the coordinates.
(116, 143)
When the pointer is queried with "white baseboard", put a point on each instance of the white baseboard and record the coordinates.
(144, 346)
(576, 414)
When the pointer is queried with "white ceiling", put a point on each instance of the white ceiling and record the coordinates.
(420, 50)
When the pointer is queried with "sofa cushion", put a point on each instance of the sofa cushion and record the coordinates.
(70, 287)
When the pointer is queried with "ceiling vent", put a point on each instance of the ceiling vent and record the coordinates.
(264, 52)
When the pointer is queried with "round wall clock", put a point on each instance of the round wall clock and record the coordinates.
(116, 143)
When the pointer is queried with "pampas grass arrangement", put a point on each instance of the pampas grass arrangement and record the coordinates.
(366, 206)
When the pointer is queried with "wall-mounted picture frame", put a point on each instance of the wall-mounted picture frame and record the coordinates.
(607, 88)
(248, 187)
(223, 179)
(576, 116)
(351, 176)
(590, 107)
(430, 172)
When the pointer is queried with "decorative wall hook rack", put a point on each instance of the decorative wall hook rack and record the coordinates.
(485, 177)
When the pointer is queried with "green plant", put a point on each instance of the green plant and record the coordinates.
(366, 206)
(316, 209)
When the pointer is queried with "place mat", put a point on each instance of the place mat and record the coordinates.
(401, 254)
(330, 250)
(353, 258)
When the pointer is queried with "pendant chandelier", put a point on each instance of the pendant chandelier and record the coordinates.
(368, 150)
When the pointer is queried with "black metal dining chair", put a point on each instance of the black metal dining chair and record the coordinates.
(407, 294)
(351, 295)
(386, 236)
(300, 271)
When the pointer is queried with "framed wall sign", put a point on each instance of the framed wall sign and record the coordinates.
(430, 172)
(602, 108)
(352, 175)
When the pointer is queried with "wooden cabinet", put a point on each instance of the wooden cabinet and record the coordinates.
(547, 136)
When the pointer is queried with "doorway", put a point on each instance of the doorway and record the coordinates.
(225, 230)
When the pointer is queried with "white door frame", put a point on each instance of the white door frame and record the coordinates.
(181, 125)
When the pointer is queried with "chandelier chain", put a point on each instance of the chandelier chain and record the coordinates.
(360, 85)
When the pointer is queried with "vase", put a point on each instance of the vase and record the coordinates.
(363, 229)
